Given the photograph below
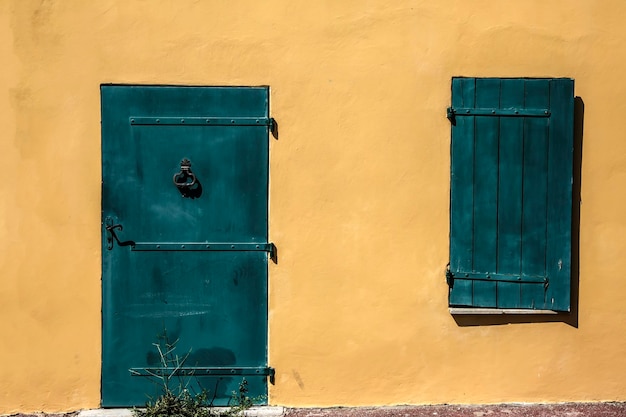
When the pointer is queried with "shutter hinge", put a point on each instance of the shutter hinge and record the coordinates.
(273, 127)
(449, 277)
(450, 115)
(272, 251)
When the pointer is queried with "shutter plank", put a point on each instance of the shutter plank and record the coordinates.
(560, 177)
(462, 186)
(486, 190)
(534, 199)
(510, 194)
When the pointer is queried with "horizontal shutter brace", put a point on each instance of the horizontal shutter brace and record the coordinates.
(453, 112)
(474, 276)
(202, 121)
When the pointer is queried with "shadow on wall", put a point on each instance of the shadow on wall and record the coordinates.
(570, 318)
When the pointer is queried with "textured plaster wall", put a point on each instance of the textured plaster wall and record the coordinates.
(359, 189)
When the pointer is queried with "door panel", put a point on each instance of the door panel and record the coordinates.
(190, 261)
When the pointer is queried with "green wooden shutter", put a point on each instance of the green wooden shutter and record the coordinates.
(511, 193)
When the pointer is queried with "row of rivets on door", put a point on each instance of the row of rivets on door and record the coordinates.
(182, 121)
(268, 371)
(193, 246)
(220, 121)
(208, 246)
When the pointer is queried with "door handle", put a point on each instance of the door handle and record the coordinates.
(185, 178)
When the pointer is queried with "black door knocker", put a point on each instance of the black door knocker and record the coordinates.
(186, 181)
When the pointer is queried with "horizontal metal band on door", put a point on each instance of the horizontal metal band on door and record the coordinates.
(202, 371)
(201, 121)
(468, 111)
(526, 279)
(202, 246)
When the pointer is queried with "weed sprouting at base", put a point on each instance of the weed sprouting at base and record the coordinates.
(176, 400)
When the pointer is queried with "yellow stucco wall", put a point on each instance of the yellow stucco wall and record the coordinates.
(359, 189)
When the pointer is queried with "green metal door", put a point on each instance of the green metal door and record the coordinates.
(185, 238)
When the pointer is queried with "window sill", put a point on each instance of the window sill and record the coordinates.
(497, 311)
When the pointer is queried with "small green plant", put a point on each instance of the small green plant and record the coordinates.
(176, 400)
(239, 402)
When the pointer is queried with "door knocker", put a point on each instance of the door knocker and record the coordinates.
(186, 181)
